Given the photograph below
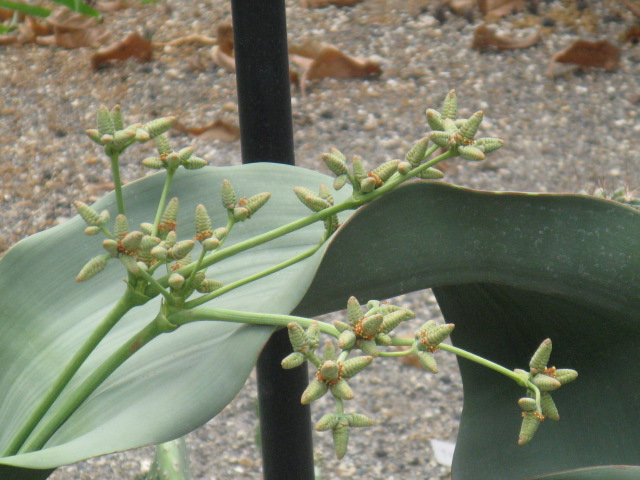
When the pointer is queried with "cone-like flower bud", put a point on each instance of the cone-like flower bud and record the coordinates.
(293, 360)
(94, 135)
(162, 146)
(367, 185)
(545, 383)
(541, 357)
(327, 422)
(168, 221)
(159, 126)
(330, 351)
(428, 361)
(527, 404)
(88, 214)
(172, 161)
(146, 228)
(450, 106)
(354, 311)
(310, 199)
(430, 174)
(194, 163)
(130, 264)
(335, 163)
(256, 202)
(210, 244)
(329, 371)
(359, 420)
(347, 340)
(393, 319)
(181, 249)
(471, 153)
(116, 117)
(383, 339)
(297, 337)
(92, 230)
(121, 227)
(359, 172)
(370, 325)
(228, 195)
(154, 163)
(434, 119)
(416, 154)
(404, 167)
(110, 246)
(548, 406)
(355, 365)
(313, 392)
(92, 267)
(340, 182)
(530, 423)
(131, 242)
(384, 172)
(204, 228)
(159, 253)
(565, 375)
(470, 127)
(105, 123)
(240, 214)
(142, 135)
(122, 138)
(489, 144)
(442, 139)
(176, 281)
(340, 440)
(342, 390)
(209, 285)
(313, 334)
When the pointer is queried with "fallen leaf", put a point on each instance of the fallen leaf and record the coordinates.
(7, 40)
(632, 34)
(583, 53)
(132, 46)
(194, 38)
(634, 7)
(484, 38)
(326, 3)
(217, 130)
(500, 8)
(6, 14)
(323, 60)
(67, 20)
(464, 8)
(105, 6)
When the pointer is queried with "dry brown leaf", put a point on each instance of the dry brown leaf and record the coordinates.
(7, 40)
(484, 39)
(634, 7)
(194, 38)
(500, 8)
(463, 8)
(132, 46)
(66, 20)
(105, 6)
(223, 60)
(6, 14)
(224, 34)
(583, 53)
(218, 129)
(326, 3)
(632, 34)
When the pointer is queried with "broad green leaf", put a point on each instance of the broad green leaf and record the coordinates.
(511, 270)
(611, 472)
(180, 380)
(25, 8)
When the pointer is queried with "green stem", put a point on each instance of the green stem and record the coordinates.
(223, 315)
(90, 384)
(128, 301)
(115, 172)
(163, 200)
(159, 288)
(251, 278)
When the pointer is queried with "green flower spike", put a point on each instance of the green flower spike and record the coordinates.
(147, 244)
(427, 341)
(229, 198)
(116, 117)
(311, 200)
(121, 227)
(431, 174)
(163, 146)
(488, 144)
(93, 230)
(93, 267)
(88, 214)
(105, 122)
(384, 172)
(209, 285)
(340, 440)
(204, 227)
(470, 127)
(168, 221)
(130, 243)
(450, 106)
(155, 128)
(248, 206)
(337, 163)
(359, 172)
(540, 358)
(327, 422)
(181, 249)
(416, 154)
(434, 119)
(530, 423)
(354, 311)
(298, 337)
(176, 281)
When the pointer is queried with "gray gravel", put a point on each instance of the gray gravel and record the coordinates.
(562, 135)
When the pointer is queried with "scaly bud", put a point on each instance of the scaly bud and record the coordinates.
(146, 228)
(367, 185)
(347, 340)
(256, 202)
(121, 227)
(313, 334)
(530, 423)
(471, 153)
(359, 172)
(428, 361)
(470, 127)
(116, 117)
(110, 246)
(527, 404)
(204, 228)
(185, 154)
(442, 139)
(176, 281)
(565, 375)
(154, 163)
(340, 440)
(93, 230)
(293, 360)
(488, 144)
(159, 253)
(545, 383)
(548, 406)
(327, 422)
(450, 106)
(430, 174)
(122, 138)
(416, 154)
(335, 163)
(359, 420)
(105, 123)
(393, 319)
(131, 242)
(371, 324)
(94, 135)
(88, 214)
(194, 163)
(310, 199)
(313, 392)
(330, 351)
(342, 390)
(384, 172)
(169, 216)
(181, 249)
(434, 119)
(541, 356)
(159, 126)
(329, 371)
(340, 182)
(209, 285)
(355, 365)
(297, 337)
(228, 195)
(240, 214)
(404, 167)
(162, 146)
(172, 161)
(92, 268)
(354, 311)
(210, 244)
(142, 135)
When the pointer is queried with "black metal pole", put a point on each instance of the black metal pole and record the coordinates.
(266, 135)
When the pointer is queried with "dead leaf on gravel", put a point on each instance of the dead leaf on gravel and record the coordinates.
(500, 8)
(320, 60)
(7, 40)
(464, 8)
(583, 53)
(217, 130)
(632, 34)
(222, 54)
(326, 3)
(132, 46)
(634, 7)
(484, 39)
(6, 14)
(105, 6)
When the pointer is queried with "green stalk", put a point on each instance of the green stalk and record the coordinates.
(128, 301)
(115, 172)
(42, 435)
(223, 315)
(163, 200)
(251, 278)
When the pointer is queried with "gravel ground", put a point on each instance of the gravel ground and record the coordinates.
(562, 135)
